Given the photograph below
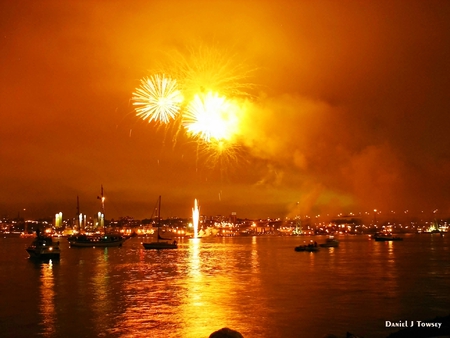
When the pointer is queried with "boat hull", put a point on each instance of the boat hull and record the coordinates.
(96, 241)
(43, 254)
(329, 244)
(306, 248)
(386, 239)
(160, 245)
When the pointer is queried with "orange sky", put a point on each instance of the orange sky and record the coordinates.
(350, 111)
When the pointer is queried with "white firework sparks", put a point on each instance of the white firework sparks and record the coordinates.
(157, 99)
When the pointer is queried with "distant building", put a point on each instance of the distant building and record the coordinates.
(233, 217)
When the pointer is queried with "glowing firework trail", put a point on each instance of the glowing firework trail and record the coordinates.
(221, 154)
(157, 99)
(207, 69)
(211, 117)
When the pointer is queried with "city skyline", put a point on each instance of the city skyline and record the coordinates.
(368, 217)
(347, 108)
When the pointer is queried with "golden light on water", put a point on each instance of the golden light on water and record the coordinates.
(157, 99)
(47, 298)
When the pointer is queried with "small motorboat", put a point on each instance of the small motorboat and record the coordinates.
(307, 247)
(160, 245)
(44, 248)
(383, 237)
(330, 242)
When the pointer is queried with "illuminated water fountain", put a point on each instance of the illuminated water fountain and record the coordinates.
(195, 218)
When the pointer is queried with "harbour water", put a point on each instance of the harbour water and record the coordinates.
(257, 285)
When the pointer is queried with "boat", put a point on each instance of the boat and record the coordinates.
(330, 242)
(161, 243)
(96, 240)
(90, 241)
(311, 247)
(308, 248)
(26, 235)
(44, 248)
(384, 237)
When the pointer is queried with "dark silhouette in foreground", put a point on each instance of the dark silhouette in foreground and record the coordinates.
(226, 333)
(411, 332)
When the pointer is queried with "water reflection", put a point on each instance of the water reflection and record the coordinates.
(259, 286)
(149, 295)
(204, 291)
(195, 281)
(101, 286)
(47, 299)
(194, 259)
(254, 255)
(100, 276)
(386, 268)
(312, 257)
(219, 287)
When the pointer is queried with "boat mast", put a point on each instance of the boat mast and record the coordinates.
(159, 215)
(78, 215)
(102, 199)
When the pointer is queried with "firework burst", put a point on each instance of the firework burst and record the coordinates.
(204, 69)
(211, 117)
(204, 95)
(157, 99)
(222, 154)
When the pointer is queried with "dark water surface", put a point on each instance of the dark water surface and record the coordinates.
(257, 285)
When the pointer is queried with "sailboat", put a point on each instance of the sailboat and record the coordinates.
(100, 240)
(161, 243)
